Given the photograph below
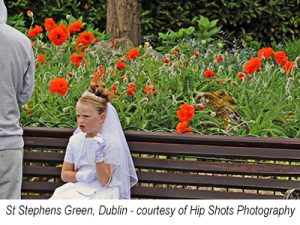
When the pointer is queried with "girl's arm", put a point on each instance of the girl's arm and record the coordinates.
(104, 173)
(67, 172)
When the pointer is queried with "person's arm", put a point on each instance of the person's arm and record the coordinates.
(104, 173)
(69, 175)
(28, 82)
(67, 172)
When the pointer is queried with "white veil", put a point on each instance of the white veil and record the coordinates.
(125, 171)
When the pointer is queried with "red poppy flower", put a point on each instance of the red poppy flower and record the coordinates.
(59, 86)
(65, 29)
(196, 53)
(85, 38)
(132, 54)
(131, 89)
(186, 112)
(41, 58)
(76, 59)
(114, 87)
(182, 128)
(57, 36)
(166, 60)
(209, 74)
(75, 27)
(280, 57)
(97, 76)
(242, 76)
(149, 89)
(35, 31)
(266, 53)
(289, 67)
(253, 65)
(219, 59)
(120, 65)
(50, 24)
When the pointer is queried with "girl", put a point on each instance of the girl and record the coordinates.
(97, 164)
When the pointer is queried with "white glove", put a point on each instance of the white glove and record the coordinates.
(86, 176)
(99, 154)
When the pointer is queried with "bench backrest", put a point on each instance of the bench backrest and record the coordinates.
(178, 166)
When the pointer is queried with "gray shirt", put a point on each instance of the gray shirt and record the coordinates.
(17, 67)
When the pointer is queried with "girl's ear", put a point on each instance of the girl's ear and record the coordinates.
(102, 117)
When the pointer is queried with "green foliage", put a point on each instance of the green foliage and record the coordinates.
(170, 38)
(292, 47)
(202, 33)
(206, 29)
(93, 12)
(17, 21)
(263, 108)
(267, 102)
(248, 20)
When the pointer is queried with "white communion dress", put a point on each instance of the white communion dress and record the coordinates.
(81, 152)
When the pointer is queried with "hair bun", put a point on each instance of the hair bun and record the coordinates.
(99, 90)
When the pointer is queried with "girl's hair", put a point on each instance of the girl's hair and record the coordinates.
(99, 97)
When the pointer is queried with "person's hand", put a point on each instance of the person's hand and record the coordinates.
(99, 154)
(86, 176)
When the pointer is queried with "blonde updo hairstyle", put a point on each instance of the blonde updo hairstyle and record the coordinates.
(100, 100)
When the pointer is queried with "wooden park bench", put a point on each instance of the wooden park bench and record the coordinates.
(171, 166)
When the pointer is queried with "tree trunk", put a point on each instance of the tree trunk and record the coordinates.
(122, 20)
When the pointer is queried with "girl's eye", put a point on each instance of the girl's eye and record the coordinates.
(85, 116)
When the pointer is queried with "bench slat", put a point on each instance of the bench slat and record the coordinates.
(45, 142)
(289, 143)
(217, 181)
(184, 165)
(220, 140)
(218, 167)
(41, 171)
(214, 151)
(186, 179)
(181, 149)
(171, 193)
(56, 157)
(153, 192)
(34, 196)
(48, 132)
(40, 186)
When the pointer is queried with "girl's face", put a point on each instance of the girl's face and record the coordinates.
(88, 119)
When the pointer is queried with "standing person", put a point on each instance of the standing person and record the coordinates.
(16, 86)
(97, 164)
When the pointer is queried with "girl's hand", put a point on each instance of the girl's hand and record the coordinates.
(85, 176)
(99, 154)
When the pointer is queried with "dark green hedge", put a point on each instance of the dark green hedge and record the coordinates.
(264, 20)
(92, 11)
